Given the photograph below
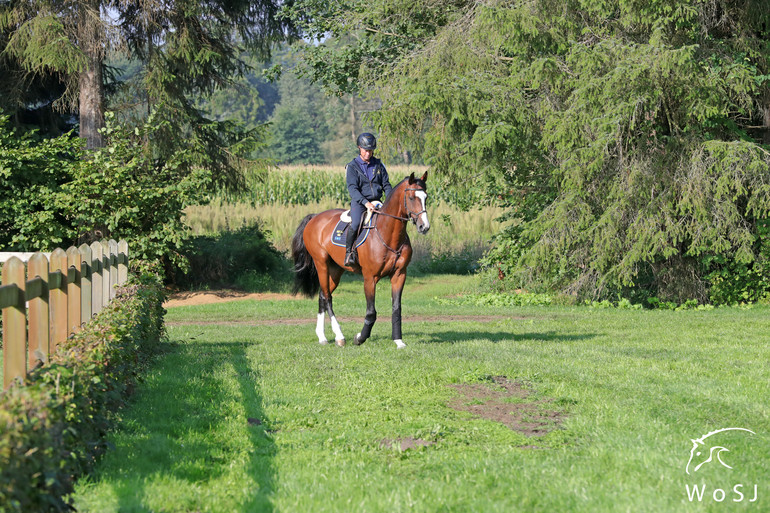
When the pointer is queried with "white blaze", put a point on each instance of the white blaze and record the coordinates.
(424, 216)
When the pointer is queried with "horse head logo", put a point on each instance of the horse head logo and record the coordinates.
(704, 451)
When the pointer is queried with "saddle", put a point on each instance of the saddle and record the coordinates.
(339, 234)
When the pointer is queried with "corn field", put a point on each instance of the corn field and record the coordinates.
(302, 185)
(457, 239)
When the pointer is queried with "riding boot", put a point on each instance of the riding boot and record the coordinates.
(351, 257)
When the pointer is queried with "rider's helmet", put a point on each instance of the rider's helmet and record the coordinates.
(366, 141)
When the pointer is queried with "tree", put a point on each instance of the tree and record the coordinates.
(187, 49)
(294, 137)
(628, 137)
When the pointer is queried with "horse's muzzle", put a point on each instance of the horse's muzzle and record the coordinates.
(422, 226)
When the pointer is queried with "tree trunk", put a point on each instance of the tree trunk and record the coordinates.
(91, 84)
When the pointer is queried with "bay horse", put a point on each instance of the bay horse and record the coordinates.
(319, 264)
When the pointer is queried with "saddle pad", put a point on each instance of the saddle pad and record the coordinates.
(340, 233)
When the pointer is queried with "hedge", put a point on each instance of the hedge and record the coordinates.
(53, 428)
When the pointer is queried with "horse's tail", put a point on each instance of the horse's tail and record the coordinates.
(305, 274)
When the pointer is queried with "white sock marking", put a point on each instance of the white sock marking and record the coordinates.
(319, 329)
(336, 328)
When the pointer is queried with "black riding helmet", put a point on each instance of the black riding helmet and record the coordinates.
(366, 141)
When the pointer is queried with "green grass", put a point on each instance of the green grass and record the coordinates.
(634, 388)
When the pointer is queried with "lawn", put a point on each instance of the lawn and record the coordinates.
(244, 411)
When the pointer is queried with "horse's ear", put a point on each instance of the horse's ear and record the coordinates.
(411, 179)
(424, 176)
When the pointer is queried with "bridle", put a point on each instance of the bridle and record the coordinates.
(410, 215)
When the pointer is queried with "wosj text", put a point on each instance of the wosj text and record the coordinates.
(739, 493)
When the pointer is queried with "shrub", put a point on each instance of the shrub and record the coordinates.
(52, 429)
(231, 258)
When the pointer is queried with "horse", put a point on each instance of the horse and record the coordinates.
(319, 264)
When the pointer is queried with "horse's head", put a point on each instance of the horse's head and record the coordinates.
(704, 451)
(415, 197)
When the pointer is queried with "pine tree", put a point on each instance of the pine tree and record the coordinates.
(629, 137)
(187, 49)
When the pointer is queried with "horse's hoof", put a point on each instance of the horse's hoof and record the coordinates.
(399, 344)
(323, 342)
(340, 342)
(357, 339)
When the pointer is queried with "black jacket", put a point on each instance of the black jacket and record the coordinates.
(361, 188)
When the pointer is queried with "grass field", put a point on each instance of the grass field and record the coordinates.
(246, 412)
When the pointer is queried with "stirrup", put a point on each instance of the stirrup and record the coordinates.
(351, 257)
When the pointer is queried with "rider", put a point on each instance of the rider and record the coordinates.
(367, 179)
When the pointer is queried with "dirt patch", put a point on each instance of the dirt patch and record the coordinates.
(221, 296)
(359, 320)
(405, 443)
(506, 402)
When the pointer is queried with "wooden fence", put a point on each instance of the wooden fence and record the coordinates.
(53, 297)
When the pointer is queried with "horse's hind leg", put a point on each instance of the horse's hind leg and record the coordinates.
(332, 274)
(319, 328)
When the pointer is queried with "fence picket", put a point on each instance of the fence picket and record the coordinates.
(85, 283)
(14, 322)
(122, 262)
(113, 267)
(37, 296)
(96, 278)
(57, 298)
(73, 290)
(105, 272)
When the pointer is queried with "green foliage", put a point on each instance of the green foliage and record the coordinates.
(500, 299)
(33, 175)
(294, 136)
(182, 53)
(52, 193)
(463, 260)
(137, 196)
(52, 428)
(623, 135)
(242, 257)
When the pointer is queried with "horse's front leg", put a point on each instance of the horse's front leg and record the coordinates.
(397, 286)
(370, 287)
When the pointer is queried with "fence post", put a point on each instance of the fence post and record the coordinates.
(73, 290)
(85, 282)
(37, 296)
(14, 323)
(96, 278)
(106, 271)
(122, 262)
(57, 298)
(113, 267)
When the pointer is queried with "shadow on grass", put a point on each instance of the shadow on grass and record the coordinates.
(454, 337)
(176, 430)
